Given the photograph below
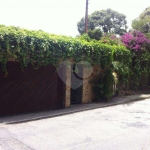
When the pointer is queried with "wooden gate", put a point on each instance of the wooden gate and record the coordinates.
(30, 90)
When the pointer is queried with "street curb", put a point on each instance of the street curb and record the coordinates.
(102, 105)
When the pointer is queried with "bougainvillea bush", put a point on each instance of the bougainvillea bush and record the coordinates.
(138, 44)
(135, 41)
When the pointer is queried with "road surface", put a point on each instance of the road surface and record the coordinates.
(122, 127)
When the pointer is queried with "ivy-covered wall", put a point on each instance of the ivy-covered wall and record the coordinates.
(40, 48)
(37, 46)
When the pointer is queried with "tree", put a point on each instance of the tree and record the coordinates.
(109, 21)
(142, 23)
(95, 34)
(145, 13)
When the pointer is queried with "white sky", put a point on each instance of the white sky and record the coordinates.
(61, 16)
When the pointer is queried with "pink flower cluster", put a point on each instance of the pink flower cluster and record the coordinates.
(135, 40)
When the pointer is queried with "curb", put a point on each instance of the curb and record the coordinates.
(126, 100)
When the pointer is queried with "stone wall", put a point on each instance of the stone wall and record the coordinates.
(87, 91)
(68, 85)
(88, 95)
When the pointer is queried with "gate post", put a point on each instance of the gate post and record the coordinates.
(68, 87)
(87, 95)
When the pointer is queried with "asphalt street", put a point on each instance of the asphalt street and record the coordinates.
(121, 127)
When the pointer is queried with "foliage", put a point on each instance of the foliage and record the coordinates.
(108, 20)
(106, 80)
(81, 26)
(95, 34)
(41, 48)
(138, 44)
(111, 39)
(92, 35)
(142, 23)
(103, 88)
(140, 67)
(135, 41)
(85, 37)
(145, 13)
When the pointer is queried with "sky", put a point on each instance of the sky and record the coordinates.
(61, 16)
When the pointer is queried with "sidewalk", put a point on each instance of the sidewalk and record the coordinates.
(72, 109)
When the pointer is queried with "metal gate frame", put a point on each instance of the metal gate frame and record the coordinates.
(76, 84)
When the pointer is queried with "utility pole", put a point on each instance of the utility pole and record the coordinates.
(86, 16)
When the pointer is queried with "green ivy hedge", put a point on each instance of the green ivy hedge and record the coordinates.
(37, 46)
